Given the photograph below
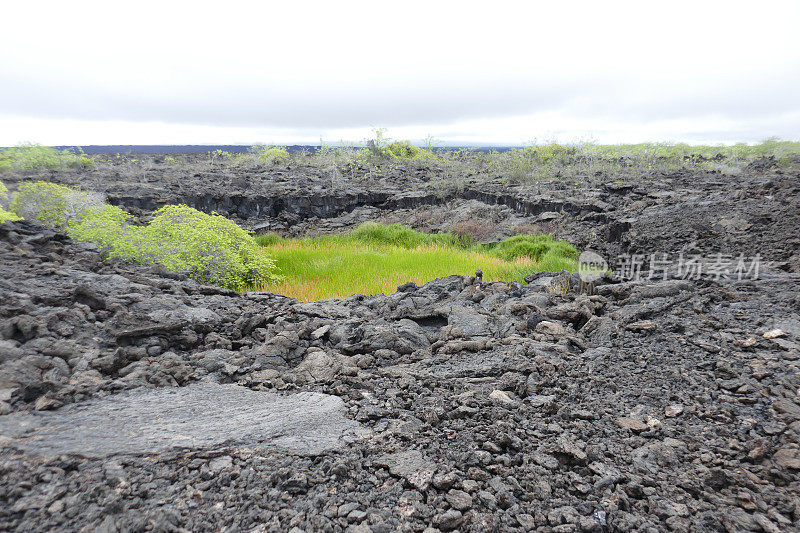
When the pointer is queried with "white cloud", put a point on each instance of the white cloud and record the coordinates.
(173, 72)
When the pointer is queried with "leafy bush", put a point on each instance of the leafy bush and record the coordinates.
(50, 203)
(550, 153)
(404, 150)
(108, 227)
(274, 155)
(270, 154)
(28, 157)
(211, 247)
(219, 155)
(5, 216)
(380, 147)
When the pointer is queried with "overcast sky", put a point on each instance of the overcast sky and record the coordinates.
(80, 72)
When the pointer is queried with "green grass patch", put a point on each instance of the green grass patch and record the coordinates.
(375, 259)
(401, 236)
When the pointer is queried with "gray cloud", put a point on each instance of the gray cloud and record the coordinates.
(389, 104)
(324, 107)
(575, 69)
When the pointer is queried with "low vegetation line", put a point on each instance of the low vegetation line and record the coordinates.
(372, 158)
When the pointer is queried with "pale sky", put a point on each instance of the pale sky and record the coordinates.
(85, 72)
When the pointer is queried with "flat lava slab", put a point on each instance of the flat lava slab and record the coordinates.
(199, 416)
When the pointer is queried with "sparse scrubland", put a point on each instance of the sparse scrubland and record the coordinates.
(375, 157)
(32, 157)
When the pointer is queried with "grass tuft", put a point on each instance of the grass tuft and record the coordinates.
(376, 258)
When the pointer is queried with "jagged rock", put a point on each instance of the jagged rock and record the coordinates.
(459, 500)
(323, 367)
(788, 457)
(634, 424)
(673, 410)
(469, 321)
(550, 328)
(774, 334)
(502, 397)
(410, 465)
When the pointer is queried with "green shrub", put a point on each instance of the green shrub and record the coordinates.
(404, 150)
(270, 154)
(551, 153)
(211, 247)
(32, 157)
(51, 204)
(108, 227)
(29, 157)
(380, 147)
(79, 160)
(274, 156)
(219, 155)
(5, 216)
